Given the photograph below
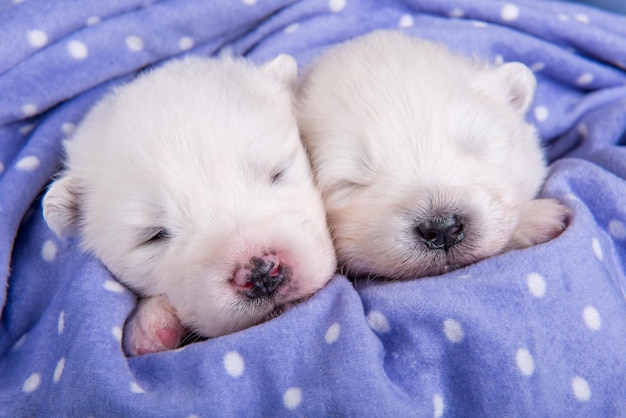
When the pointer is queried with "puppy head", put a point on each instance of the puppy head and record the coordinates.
(423, 157)
(192, 182)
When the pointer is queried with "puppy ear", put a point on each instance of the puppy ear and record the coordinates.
(520, 84)
(61, 205)
(284, 68)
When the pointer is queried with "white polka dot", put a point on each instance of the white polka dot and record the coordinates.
(233, 363)
(27, 163)
(77, 50)
(292, 398)
(563, 17)
(249, 2)
(185, 43)
(581, 389)
(32, 383)
(18, 1)
(406, 21)
(378, 322)
(135, 388)
(617, 229)
(134, 43)
(453, 330)
(438, 406)
(117, 334)
(456, 13)
(582, 129)
(509, 12)
(29, 109)
(113, 286)
(226, 51)
(58, 370)
(582, 18)
(61, 323)
(49, 251)
(584, 79)
(332, 334)
(37, 38)
(498, 60)
(479, 24)
(336, 6)
(572, 197)
(525, 362)
(20, 343)
(26, 129)
(538, 66)
(536, 284)
(68, 128)
(541, 113)
(592, 318)
(292, 28)
(597, 249)
(1, 167)
(93, 20)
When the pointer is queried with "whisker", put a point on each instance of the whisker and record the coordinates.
(190, 338)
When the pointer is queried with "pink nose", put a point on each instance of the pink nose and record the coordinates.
(261, 277)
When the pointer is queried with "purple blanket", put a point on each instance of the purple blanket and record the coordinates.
(537, 332)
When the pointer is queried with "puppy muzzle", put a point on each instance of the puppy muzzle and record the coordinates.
(262, 277)
(442, 233)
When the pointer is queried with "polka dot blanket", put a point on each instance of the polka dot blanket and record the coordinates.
(537, 332)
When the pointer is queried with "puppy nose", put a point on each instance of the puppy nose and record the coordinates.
(441, 234)
(262, 278)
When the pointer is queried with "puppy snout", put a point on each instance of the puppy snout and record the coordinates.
(261, 277)
(441, 233)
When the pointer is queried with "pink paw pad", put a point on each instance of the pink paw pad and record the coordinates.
(170, 337)
(152, 328)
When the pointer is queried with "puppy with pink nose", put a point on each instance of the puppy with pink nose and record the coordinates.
(192, 186)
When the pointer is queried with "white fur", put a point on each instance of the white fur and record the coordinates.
(401, 130)
(208, 152)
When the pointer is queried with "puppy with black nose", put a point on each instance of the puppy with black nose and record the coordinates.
(424, 158)
(192, 186)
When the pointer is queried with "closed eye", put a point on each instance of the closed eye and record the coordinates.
(343, 184)
(279, 172)
(156, 235)
(342, 189)
(276, 176)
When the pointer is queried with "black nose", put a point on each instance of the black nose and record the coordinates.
(441, 234)
(264, 278)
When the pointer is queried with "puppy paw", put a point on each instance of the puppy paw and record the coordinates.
(153, 327)
(540, 221)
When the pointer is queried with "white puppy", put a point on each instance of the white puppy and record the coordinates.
(192, 186)
(423, 156)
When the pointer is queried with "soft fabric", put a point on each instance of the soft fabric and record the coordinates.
(538, 332)
(613, 5)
